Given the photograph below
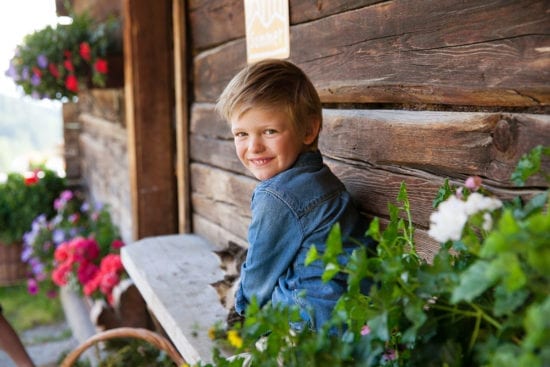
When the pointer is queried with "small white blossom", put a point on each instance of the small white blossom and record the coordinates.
(448, 221)
(477, 203)
(487, 222)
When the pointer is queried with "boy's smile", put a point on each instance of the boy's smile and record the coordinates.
(266, 141)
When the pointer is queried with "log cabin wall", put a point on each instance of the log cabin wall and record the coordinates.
(413, 91)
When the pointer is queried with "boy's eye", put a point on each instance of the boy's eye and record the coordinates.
(239, 134)
(270, 131)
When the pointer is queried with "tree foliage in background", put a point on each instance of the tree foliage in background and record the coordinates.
(22, 197)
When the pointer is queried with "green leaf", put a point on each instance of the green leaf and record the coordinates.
(330, 271)
(442, 194)
(529, 165)
(379, 326)
(312, 255)
(334, 244)
(506, 302)
(474, 281)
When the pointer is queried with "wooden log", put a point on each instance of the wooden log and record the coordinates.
(229, 217)
(218, 153)
(411, 52)
(450, 144)
(222, 186)
(214, 22)
(447, 144)
(216, 234)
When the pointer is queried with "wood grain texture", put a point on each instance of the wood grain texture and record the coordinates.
(217, 21)
(412, 52)
(150, 115)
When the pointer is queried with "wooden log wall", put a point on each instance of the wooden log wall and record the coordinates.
(412, 91)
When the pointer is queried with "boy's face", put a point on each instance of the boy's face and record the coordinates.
(267, 142)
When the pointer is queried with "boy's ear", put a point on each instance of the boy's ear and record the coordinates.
(312, 131)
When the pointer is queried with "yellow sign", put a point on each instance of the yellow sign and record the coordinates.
(267, 29)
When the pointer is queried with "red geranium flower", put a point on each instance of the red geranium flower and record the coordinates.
(36, 71)
(53, 70)
(85, 51)
(71, 83)
(31, 178)
(68, 65)
(101, 66)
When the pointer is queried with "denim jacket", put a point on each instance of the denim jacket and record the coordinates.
(290, 212)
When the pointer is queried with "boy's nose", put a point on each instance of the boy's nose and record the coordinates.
(255, 144)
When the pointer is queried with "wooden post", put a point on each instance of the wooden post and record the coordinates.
(182, 115)
(149, 97)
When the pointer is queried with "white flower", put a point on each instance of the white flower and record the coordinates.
(477, 203)
(448, 221)
(487, 222)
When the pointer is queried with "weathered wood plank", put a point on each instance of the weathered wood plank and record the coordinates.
(227, 216)
(214, 22)
(413, 52)
(455, 144)
(150, 116)
(218, 153)
(181, 72)
(216, 234)
(222, 186)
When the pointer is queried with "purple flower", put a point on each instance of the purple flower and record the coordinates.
(58, 236)
(35, 80)
(12, 72)
(25, 73)
(42, 61)
(26, 254)
(32, 286)
(85, 207)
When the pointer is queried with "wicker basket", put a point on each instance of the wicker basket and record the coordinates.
(12, 269)
(126, 332)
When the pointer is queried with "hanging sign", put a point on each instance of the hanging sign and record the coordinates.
(267, 29)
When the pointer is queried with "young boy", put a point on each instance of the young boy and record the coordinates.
(275, 116)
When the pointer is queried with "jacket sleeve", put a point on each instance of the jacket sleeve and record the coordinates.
(274, 238)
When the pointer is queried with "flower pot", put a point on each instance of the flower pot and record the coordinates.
(12, 269)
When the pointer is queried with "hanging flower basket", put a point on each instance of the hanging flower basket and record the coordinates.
(57, 62)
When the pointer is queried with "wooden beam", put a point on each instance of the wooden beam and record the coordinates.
(182, 116)
(410, 52)
(149, 97)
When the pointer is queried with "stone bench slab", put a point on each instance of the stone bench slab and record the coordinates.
(174, 274)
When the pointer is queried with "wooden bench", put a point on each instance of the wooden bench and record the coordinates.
(175, 274)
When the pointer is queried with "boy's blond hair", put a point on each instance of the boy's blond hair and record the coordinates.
(274, 84)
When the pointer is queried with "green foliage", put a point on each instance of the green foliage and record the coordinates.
(483, 301)
(23, 198)
(134, 352)
(55, 61)
(25, 312)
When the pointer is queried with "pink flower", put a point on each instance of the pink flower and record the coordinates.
(86, 272)
(32, 286)
(473, 183)
(365, 330)
(117, 244)
(60, 274)
(61, 253)
(91, 286)
(111, 263)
